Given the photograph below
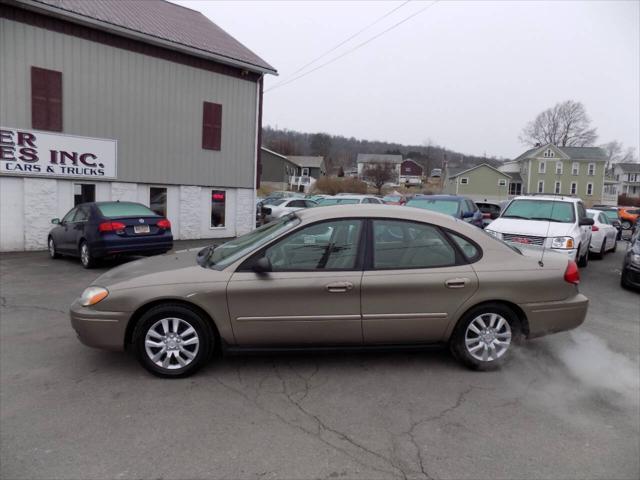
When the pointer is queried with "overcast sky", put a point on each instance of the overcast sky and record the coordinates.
(466, 75)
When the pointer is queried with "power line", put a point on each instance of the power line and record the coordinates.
(351, 37)
(360, 45)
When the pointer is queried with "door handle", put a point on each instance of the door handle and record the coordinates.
(339, 287)
(456, 283)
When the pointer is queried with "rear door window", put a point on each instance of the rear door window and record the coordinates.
(125, 209)
(82, 215)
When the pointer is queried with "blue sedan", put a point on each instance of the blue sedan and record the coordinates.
(102, 229)
(454, 205)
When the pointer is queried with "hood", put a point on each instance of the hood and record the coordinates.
(177, 267)
(537, 228)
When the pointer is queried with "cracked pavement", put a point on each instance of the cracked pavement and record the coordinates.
(68, 411)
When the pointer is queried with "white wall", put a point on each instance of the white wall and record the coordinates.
(11, 214)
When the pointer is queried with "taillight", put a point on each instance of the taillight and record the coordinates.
(594, 228)
(486, 215)
(111, 227)
(572, 274)
(164, 224)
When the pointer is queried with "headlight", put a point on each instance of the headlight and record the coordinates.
(562, 242)
(635, 258)
(93, 295)
(494, 233)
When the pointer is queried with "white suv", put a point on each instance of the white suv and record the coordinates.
(553, 222)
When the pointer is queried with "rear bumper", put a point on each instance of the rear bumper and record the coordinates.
(551, 317)
(132, 246)
(99, 329)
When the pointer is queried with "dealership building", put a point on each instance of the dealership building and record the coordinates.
(142, 101)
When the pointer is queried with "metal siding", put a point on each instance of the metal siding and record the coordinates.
(153, 107)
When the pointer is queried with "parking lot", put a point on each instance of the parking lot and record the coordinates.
(566, 406)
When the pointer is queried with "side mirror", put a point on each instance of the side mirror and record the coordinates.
(586, 221)
(55, 221)
(467, 214)
(262, 265)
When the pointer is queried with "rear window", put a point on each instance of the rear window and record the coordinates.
(544, 210)
(448, 207)
(125, 209)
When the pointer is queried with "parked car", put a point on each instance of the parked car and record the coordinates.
(317, 197)
(349, 200)
(344, 276)
(630, 277)
(281, 207)
(603, 234)
(393, 199)
(490, 211)
(549, 222)
(454, 205)
(612, 215)
(101, 229)
(436, 172)
(628, 216)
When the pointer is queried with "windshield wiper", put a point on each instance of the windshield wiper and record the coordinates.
(516, 216)
(546, 219)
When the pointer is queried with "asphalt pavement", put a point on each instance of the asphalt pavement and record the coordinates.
(566, 406)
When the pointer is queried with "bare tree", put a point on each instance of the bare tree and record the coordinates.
(616, 153)
(378, 174)
(566, 124)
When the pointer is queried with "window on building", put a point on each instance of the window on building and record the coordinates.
(557, 187)
(502, 182)
(464, 181)
(83, 193)
(158, 200)
(574, 188)
(211, 126)
(575, 168)
(541, 186)
(218, 206)
(591, 171)
(548, 153)
(542, 166)
(46, 99)
(515, 188)
(305, 172)
(559, 168)
(589, 188)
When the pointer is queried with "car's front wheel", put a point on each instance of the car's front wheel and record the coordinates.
(173, 340)
(53, 252)
(484, 336)
(583, 260)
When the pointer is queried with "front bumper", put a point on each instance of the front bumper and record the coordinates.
(533, 250)
(551, 317)
(99, 329)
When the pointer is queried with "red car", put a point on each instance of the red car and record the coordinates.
(394, 199)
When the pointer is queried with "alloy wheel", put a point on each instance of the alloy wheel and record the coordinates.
(488, 337)
(52, 248)
(171, 343)
(84, 254)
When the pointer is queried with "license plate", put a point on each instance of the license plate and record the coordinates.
(141, 228)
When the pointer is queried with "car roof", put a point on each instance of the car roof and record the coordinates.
(559, 198)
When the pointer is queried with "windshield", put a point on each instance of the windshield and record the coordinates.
(448, 207)
(591, 214)
(547, 210)
(611, 214)
(227, 253)
(275, 202)
(125, 209)
(338, 201)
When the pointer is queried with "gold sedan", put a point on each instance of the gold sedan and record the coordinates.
(338, 277)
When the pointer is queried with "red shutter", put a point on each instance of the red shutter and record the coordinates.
(46, 99)
(211, 126)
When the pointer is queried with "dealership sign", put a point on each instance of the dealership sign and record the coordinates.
(31, 152)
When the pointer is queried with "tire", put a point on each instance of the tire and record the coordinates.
(469, 348)
(626, 225)
(615, 245)
(185, 340)
(53, 253)
(624, 283)
(86, 259)
(584, 260)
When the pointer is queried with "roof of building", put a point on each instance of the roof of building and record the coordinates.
(515, 177)
(458, 171)
(307, 161)
(379, 158)
(574, 153)
(274, 153)
(157, 21)
(629, 167)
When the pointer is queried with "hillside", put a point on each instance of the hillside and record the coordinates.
(342, 151)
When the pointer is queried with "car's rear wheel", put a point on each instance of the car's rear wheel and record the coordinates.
(583, 261)
(53, 253)
(485, 335)
(600, 254)
(173, 340)
(86, 258)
